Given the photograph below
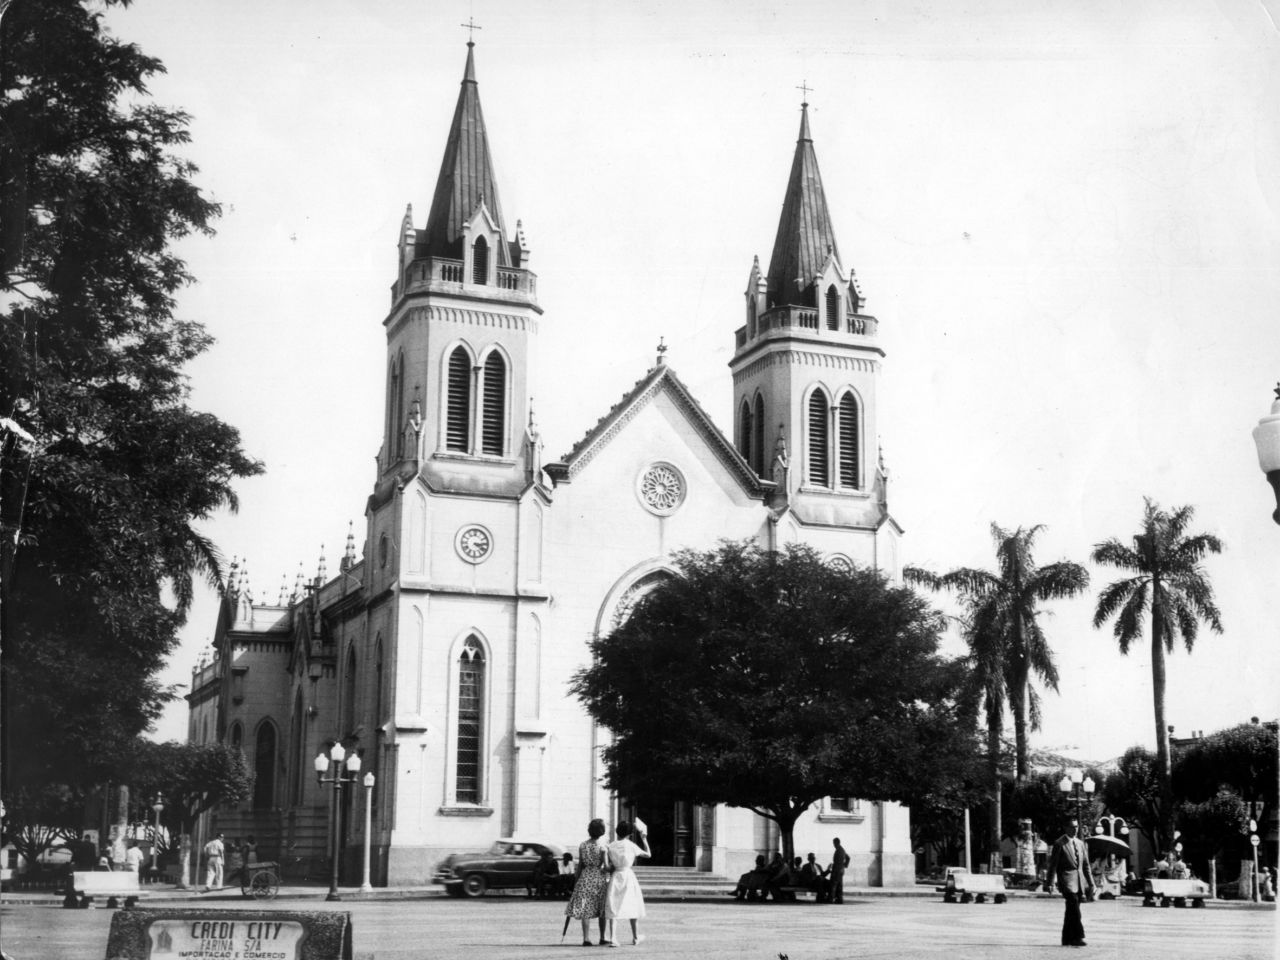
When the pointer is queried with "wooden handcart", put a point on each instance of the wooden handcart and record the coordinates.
(260, 880)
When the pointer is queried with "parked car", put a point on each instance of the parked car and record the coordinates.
(508, 863)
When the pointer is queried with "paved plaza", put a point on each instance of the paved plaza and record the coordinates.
(510, 927)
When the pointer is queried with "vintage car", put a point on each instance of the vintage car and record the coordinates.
(508, 863)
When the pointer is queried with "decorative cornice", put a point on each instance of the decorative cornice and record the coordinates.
(465, 317)
(804, 358)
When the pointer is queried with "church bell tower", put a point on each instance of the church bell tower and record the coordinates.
(805, 365)
(464, 310)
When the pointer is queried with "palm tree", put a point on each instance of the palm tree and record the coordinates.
(1169, 582)
(1004, 605)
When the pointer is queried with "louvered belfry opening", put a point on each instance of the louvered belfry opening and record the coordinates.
(480, 261)
(848, 441)
(493, 423)
(757, 438)
(458, 417)
(833, 308)
(819, 472)
(470, 715)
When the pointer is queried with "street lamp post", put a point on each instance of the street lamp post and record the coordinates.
(345, 770)
(365, 885)
(1266, 436)
(157, 805)
(1078, 787)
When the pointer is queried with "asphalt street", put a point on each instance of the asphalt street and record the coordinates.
(502, 927)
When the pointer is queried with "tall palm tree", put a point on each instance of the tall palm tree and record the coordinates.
(1004, 605)
(1169, 582)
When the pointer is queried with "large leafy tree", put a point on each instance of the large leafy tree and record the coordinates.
(1168, 582)
(770, 680)
(1134, 791)
(105, 470)
(1005, 630)
(191, 778)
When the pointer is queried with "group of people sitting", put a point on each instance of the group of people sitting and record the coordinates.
(777, 878)
(552, 879)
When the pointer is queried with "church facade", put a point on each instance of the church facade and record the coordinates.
(441, 653)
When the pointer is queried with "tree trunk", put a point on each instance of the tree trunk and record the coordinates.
(184, 861)
(993, 756)
(1163, 764)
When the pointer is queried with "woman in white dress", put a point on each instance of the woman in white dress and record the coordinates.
(624, 901)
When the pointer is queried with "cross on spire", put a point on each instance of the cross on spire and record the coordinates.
(472, 27)
(804, 88)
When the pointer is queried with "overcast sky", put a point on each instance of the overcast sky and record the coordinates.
(1063, 215)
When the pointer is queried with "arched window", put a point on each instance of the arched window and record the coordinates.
(470, 721)
(393, 425)
(751, 316)
(819, 445)
(493, 423)
(757, 437)
(349, 695)
(297, 741)
(264, 767)
(848, 440)
(480, 261)
(833, 308)
(377, 685)
(235, 736)
(744, 431)
(458, 416)
(397, 407)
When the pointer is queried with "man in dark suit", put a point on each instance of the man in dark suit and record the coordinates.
(839, 860)
(1069, 869)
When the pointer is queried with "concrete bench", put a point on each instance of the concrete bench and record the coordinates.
(1174, 892)
(792, 892)
(103, 883)
(971, 887)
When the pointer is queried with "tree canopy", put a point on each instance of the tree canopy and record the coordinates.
(770, 680)
(105, 469)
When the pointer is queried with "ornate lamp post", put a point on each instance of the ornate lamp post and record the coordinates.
(1077, 786)
(345, 770)
(1266, 435)
(365, 885)
(158, 806)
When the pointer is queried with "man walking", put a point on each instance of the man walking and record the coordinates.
(839, 860)
(213, 854)
(1069, 869)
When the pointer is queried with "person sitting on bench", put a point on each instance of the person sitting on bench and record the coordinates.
(815, 878)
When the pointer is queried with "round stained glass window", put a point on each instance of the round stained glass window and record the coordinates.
(661, 489)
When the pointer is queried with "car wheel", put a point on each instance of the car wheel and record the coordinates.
(474, 885)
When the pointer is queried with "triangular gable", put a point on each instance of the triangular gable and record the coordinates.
(660, 378)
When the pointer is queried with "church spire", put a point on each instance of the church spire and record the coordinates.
(805, 236)
(466, 177)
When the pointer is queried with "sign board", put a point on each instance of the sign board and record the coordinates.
(172, 934)
(1254, 840)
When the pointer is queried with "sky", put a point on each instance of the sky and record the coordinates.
(1063, 215)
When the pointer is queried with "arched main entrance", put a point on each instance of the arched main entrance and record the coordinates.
(676, 828)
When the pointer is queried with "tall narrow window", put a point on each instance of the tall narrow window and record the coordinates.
(393, 425)
(833, 308)
(458, 419)
(349, 695)
(757, 437)
(744, 431)
(848, 426)
(493, 425)
(819, 447)
(480, 261)
(751, 316)
(264, 767)
(470, 721)
(298, 743)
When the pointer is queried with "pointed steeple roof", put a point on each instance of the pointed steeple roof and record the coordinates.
(805, 235)
(466, 176)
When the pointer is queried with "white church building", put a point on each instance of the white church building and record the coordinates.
(442, 651)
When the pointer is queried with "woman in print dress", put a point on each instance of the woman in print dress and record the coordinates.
(624, 900)
(587, 901)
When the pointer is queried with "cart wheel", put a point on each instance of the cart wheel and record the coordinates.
(264, 885)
